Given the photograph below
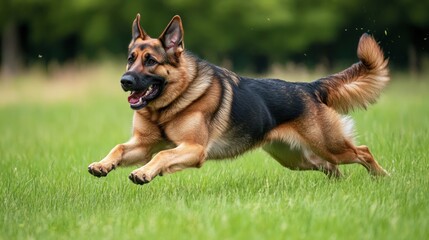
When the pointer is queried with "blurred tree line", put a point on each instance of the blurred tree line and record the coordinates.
(249, 35)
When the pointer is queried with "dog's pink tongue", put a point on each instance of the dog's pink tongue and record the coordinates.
(133, 99)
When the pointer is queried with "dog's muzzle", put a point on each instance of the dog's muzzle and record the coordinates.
(143, 88)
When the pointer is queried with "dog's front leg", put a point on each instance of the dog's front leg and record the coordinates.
(190, 134)
(185, 155)
(124, 154)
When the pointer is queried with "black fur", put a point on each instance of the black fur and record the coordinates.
(260, 105)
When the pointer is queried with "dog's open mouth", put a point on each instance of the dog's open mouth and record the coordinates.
(139, 99)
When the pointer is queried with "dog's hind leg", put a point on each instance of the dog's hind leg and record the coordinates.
(330, 137)
(300, 159)
(347, 153)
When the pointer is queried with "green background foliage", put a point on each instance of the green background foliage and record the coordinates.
(250, 34)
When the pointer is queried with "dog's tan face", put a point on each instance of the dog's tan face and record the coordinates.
(155, 73)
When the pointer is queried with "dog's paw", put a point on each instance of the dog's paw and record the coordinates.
(140, 177)
(381, 173)
(99, 169)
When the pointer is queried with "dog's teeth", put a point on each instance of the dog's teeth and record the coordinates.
(148, 91)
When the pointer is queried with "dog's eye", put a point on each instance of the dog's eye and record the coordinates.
(131, 59)
(150, 61)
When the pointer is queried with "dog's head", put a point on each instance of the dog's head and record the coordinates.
(153, 64)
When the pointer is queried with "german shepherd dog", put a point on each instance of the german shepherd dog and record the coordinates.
(187, 110)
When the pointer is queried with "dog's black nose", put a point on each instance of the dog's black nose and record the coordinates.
(128, 82)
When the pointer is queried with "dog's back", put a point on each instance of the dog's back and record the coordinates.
(260, 105)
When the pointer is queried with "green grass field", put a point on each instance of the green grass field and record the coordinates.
(52, 130)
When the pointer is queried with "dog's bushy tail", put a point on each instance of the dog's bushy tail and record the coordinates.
(359, 85)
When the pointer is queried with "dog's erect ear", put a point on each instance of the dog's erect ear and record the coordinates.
(172, 37)
(138, 32)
